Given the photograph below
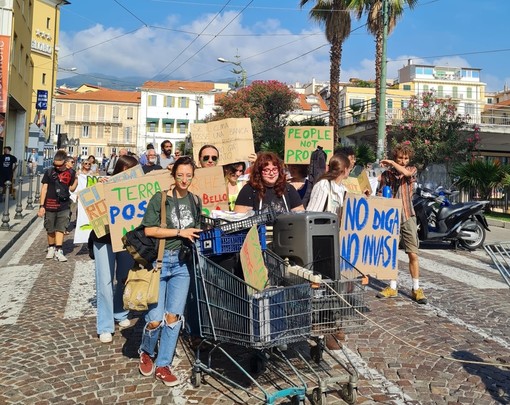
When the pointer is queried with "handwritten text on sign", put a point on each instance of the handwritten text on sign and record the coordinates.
(209, 185)
(127, 202)
(233, 137)
(92, 200)
(300, 142)
(252, 261)
(369, 235)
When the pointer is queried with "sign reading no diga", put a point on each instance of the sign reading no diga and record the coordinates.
(369, 235)
(233, 137)
(300, 142)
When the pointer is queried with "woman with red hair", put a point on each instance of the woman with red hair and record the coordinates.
(268, 188)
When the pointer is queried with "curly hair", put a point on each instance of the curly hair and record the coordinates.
(403, 148)
(263, 159)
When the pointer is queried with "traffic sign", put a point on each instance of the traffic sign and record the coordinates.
(42, 100)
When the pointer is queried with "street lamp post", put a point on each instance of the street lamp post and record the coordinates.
(239, 71)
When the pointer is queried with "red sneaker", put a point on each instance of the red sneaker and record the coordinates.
(146, 365)
(165, 375)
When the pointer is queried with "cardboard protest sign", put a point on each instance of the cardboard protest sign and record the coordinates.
(209, 184)
(252, 261)
(92, 200)
(83, 227)
(300, 142)
(369, 235)
(233, 137)
(127, 202)
(358, 184)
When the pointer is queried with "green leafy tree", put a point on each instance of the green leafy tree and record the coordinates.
(435, 131)
(480, 177)
(267, 103)
(309, 122)
(365, 153)
(373, 10)
(335, 17)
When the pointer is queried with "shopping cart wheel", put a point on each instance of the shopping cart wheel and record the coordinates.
(318, 397)
(258, 363)
(316, 353)
(196, 378)
(296, 400)
(349, 394)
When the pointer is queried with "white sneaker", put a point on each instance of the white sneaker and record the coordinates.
(51, 252)
(59, 256)
(125, 323)
(105, 337)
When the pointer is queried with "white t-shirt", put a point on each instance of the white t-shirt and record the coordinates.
(327, 196)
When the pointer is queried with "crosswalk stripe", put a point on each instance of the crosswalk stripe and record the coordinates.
(457, 274)
(17, 282)
(464, 260)
(82, 292)
(27, 244)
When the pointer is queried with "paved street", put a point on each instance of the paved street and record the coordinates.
(405, 354)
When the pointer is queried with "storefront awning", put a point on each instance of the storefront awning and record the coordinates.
(182, 121)
(168, 120)
(152, 120)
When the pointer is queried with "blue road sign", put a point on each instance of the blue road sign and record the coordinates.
(42, 100)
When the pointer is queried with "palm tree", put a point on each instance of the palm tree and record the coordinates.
(373, 10)
(335, 17)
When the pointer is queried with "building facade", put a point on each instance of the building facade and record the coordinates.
(169, 108)
(15, 74)
(94, 120)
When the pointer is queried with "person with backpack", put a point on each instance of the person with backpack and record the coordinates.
(55, 203)
(165, 319)
(316, 169)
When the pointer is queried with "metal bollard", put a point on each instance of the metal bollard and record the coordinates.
(38, 188)
(5, 218)
(19, 206)
(30, 201)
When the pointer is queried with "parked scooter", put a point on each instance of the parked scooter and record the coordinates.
(439, 220)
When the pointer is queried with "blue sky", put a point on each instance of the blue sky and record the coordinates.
(274, 39)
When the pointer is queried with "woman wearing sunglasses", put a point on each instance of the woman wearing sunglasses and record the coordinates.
(208, 156)
(268, 188)
(234, 185)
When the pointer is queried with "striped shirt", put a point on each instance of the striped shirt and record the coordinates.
(401, 187)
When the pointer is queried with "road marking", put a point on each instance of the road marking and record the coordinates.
(82, 292)
(469, 261)
(454, 273)
(17, 282)
(27, 244)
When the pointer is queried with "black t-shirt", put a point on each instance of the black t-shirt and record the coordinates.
(7, 163)
(66, 177)
(248, 197)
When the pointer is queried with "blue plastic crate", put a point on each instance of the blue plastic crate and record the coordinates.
(216, 242)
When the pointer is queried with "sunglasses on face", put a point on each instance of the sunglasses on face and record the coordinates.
(208, 158)
(267, 170)
(59, 166)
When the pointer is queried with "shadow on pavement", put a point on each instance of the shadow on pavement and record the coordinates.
(496, 379)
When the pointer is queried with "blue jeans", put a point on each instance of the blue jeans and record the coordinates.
(110, 266)
(173, 292)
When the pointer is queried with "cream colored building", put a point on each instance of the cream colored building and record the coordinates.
(16, 73)
(44, 47)
(94, 120)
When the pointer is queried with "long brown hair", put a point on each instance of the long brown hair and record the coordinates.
(337, 165)
(263, 159)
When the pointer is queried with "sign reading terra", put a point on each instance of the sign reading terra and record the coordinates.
(42, 100)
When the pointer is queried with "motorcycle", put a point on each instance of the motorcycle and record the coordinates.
(440, 220)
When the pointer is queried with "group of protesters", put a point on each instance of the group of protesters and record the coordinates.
(262, 182)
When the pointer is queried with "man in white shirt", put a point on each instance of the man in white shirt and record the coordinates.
(166, 159)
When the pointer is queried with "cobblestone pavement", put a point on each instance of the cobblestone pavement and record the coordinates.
(405, 354)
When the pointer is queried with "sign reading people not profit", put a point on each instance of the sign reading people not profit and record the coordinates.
(300, 142)
(233, 137)
(369, 235)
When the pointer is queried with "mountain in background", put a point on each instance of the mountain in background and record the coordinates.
(118, 83)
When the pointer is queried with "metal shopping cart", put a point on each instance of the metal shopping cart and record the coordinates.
(500, 255)
(232, 312)
(337, 305)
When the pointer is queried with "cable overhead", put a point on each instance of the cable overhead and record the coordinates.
(130, 12)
